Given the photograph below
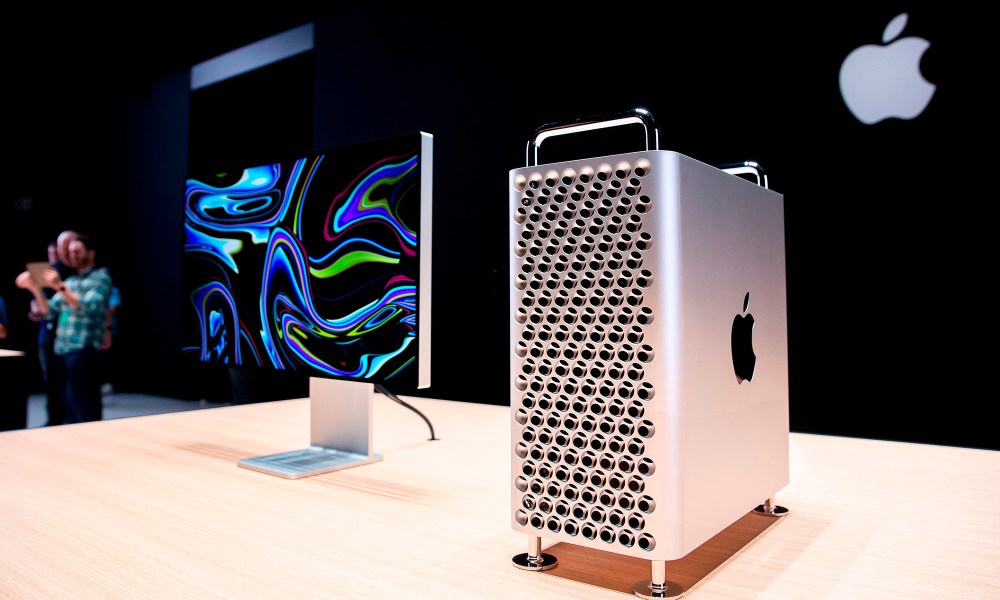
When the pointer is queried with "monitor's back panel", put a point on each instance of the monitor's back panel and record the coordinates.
(630, 432)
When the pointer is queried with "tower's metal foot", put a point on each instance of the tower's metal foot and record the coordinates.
(657, 587)
(534, 559)
(770, 509)
(646, 589)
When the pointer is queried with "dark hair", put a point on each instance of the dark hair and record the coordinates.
(88, 241)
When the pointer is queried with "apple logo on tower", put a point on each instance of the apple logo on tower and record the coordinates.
(744, 360)
(879, 82)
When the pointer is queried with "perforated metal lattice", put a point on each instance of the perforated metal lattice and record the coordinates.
(581, 430)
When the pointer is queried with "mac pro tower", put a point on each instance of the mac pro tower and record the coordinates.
(649, 360)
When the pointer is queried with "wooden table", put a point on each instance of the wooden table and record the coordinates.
(156, 507)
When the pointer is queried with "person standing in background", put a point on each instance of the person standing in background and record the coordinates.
(59, 259)
(62, 252)
(79, 308)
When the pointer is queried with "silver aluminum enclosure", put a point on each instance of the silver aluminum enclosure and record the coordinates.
(630, 430)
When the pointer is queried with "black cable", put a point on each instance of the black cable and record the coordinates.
(381, 389)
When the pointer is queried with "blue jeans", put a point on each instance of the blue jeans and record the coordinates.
(47, 361)
(80, 386)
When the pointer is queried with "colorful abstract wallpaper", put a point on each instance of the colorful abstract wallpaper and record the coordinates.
(307, 265)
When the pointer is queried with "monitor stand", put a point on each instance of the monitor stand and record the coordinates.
(340, 429)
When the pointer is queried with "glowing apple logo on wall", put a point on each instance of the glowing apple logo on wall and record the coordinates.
(882, 82)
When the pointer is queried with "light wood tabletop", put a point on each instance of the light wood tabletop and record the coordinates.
(156, 507)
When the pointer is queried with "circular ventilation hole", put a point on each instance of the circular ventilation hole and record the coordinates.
(645, 353)
(616, 408)
(616, 517)
(536, 453)
(520, 182)
(571, 493)
(607, 425)
(642, 167)
(604, 171)
(571, 528)
(623, 169)
(607, 535)
(635, 409)
(545, 505)
(636, 447)
(553, 525)
(606, 462)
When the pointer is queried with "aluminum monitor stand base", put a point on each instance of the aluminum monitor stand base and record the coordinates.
(340, 428)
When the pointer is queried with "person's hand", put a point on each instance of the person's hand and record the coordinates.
(25, 281)
(52, 278)
(34, 314)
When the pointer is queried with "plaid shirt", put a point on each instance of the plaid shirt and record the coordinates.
(85, 325)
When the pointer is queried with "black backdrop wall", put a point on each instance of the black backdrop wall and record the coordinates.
(886, 244)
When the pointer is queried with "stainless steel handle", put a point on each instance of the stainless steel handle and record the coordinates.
(747, 167)
(633, 116)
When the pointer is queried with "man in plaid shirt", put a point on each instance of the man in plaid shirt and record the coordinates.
(79, 308)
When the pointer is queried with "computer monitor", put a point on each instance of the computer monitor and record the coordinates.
(319, 265)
